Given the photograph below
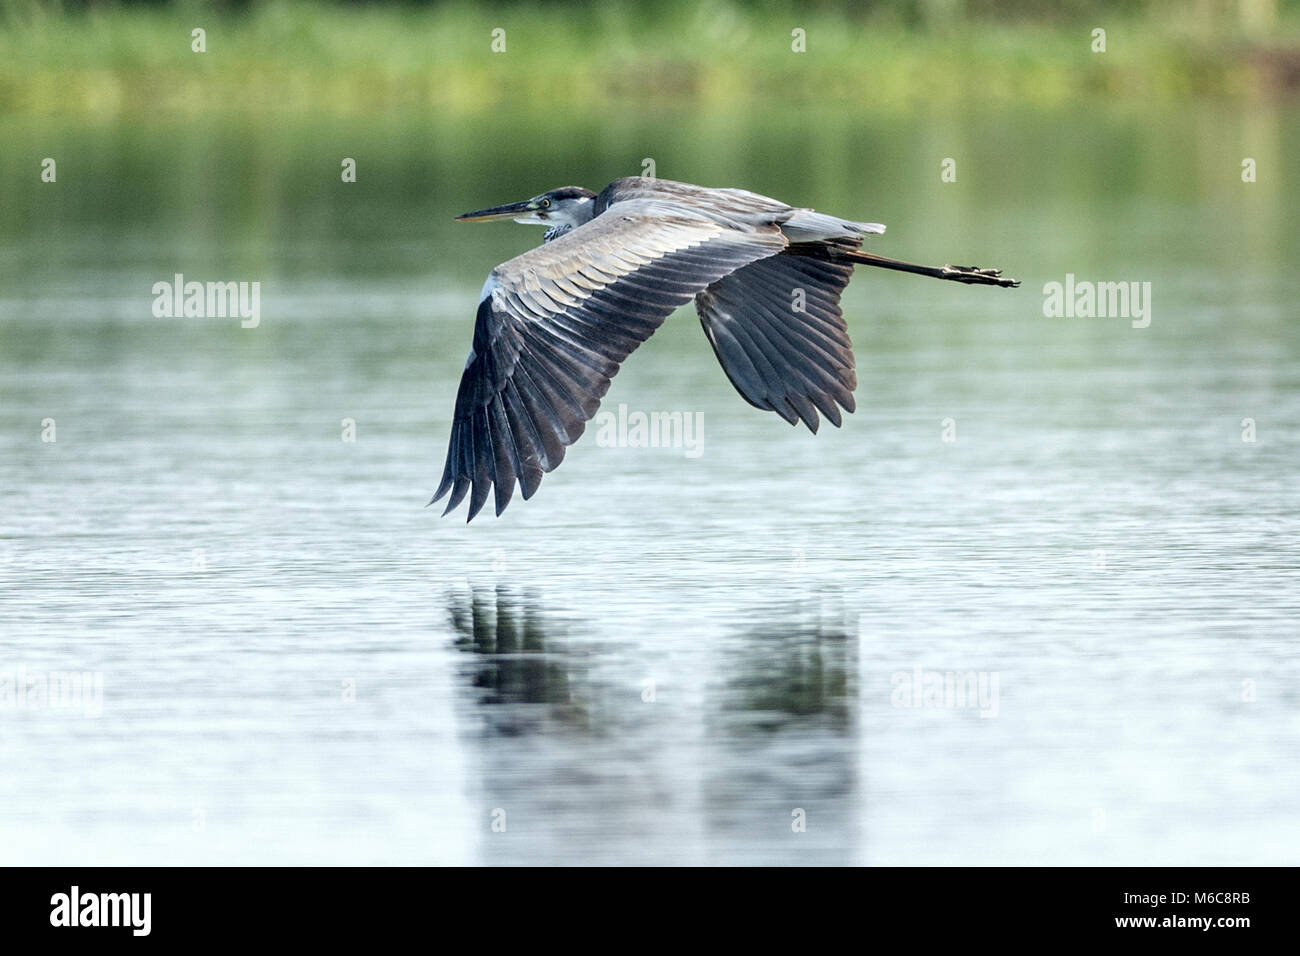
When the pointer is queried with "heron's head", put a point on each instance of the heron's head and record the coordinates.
(561, 209)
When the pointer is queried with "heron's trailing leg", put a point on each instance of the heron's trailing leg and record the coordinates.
(974, 275)
(970, 275)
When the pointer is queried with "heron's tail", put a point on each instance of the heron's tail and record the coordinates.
(970, 275)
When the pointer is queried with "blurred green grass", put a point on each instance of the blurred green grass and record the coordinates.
(293, 56)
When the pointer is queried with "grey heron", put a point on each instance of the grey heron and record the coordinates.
(555, 323)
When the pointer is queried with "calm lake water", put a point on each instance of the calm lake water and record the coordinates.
(663, 657)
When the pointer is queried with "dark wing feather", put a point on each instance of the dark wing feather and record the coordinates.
(559, 320)
(791, 362)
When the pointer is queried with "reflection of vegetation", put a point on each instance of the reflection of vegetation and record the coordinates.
(513, 663)
(801, 670)
(292, 55)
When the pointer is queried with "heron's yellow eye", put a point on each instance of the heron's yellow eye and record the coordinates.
(545, 204)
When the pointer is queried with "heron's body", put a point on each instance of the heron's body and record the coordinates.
(555, 323)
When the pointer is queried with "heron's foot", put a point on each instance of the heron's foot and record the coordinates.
(974, 275)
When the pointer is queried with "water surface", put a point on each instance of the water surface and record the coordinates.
(660, 658)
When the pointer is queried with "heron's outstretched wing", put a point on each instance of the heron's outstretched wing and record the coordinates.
(777, 329)
(555, 324)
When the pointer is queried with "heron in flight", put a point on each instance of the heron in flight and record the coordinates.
(555, 323)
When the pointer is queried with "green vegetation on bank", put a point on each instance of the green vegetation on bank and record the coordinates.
(291, 55)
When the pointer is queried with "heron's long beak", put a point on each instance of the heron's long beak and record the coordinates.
(509, 211)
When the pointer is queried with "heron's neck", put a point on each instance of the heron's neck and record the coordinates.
(573, 217)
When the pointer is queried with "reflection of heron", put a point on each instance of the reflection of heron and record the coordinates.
(513, 663)
(555, 323)
(799, 667)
